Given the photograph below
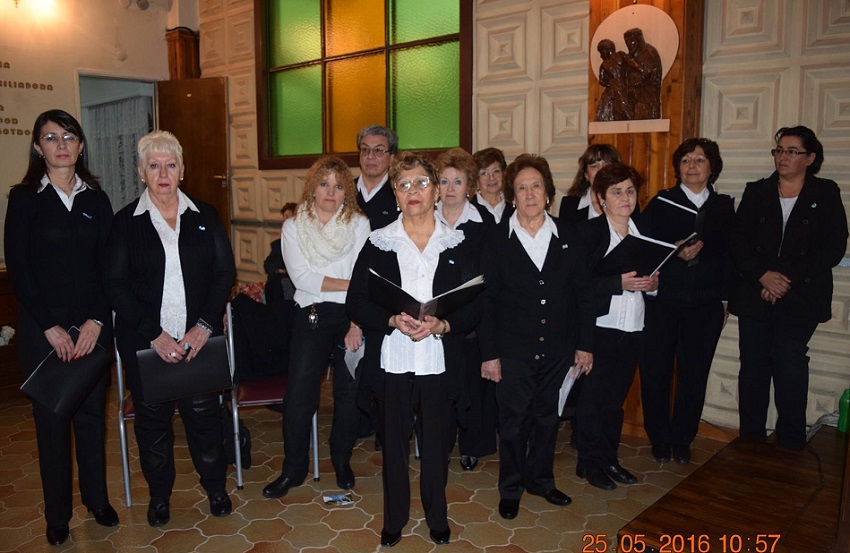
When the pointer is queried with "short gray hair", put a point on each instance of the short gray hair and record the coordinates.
(377, 130)
(159, 141)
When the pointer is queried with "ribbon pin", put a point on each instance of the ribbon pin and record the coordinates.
(451, 261)
(201, 227)
(564, 246)
(87, 216)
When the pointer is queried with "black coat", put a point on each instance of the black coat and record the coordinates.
(570, 212)
(135, 273)
(381, 209)
(536, 315)
(54, 260)
(814, 242)
(711, 278)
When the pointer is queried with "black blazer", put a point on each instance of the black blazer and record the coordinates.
(570, 212)
(54, 260)
(711, 278)
(455, 266)
(533, 315)
(596, 237)
(814, 242)
(381, 209)
(476, 233)
(135, 273)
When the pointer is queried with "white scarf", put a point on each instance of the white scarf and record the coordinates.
(323, 244)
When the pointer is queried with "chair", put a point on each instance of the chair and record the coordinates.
(265, 390)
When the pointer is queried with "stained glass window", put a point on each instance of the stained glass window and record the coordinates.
(332, 67)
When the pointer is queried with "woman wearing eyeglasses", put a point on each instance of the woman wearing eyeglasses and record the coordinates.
(580, 204)
(419, 358)
(57, 223)
(790, 230)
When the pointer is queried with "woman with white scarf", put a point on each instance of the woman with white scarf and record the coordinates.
(320, 245)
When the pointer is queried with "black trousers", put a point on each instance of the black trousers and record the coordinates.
(600, 406)
(688, 333)
(311, 349)
(774, 349)
(477, 433)
(202, 418)
(419, 400)
(528, 425)
(53, 435)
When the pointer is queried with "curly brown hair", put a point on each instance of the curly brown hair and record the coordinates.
(408, 160)
(324, 166)
(460, 159)
(529, 161)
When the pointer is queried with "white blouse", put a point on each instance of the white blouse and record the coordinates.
(399, 354)
(306, 276)
(79, 186)
(627, 310)
(469, 213)
(536, 246)
(497, 211)
(172, 312)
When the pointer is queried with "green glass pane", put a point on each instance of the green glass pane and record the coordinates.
(424, 97)
(416, 19)
(295, 33)
(295, 101)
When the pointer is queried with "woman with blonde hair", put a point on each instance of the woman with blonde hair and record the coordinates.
(320, 245)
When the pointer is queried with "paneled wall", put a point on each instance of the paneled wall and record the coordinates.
(769, 64)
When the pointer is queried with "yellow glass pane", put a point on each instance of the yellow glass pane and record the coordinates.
(356, 97)
(353, 26)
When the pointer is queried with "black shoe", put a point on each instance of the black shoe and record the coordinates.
(619, 474)
(554, 496)
(158, 512)
(441, 538)
(596, 477)
(389, 539)
(661, 452)
(508, 508)
(468, 462)
(344, 476)
(279, 488)
(379, 446)
(220, 504)
(682, 454)
(106, 516)
(57, 535)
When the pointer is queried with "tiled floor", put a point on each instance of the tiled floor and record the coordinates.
(301, 522)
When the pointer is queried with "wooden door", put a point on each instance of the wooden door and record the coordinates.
(195, 110)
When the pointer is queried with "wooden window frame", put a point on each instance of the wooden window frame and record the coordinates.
(265, 157)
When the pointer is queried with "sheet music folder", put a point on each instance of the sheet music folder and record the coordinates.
(208, 372)
(61, 386)
(641, 254)
(389, 295)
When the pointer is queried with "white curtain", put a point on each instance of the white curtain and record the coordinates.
(114, 129)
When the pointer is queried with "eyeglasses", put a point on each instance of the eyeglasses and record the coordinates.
(420, 183)
(494, 174)
(377, 151)
(53, 138)
(777, 152)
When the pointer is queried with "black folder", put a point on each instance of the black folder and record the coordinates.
(208, 372)
(389, 295)
(61, 386)
(639, 253)
(672, 222)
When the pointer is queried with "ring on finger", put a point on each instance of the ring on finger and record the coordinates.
(172, 355)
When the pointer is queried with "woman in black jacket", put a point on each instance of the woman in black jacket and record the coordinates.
(57, 224)
(789, 232)
(419, 358)
(580, 204)
(685, 319)
(169, 270)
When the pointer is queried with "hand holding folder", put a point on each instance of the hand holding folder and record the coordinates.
(641, 254)
(208, 372)
(63, 386)
(389, 295)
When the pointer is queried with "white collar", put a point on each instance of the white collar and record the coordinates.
(79, 185)
(146, 204)
(696, 199)
(391, 237)
(513, 224)
(367, 195)
(469, 213)
(586, 201)
(485, 203)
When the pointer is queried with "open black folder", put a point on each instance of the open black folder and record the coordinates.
(61, 386)
(388, 294)
(208, 372)
(641, 254)
(672, 222)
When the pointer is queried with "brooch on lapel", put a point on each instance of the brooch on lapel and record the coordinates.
(564, 246)
(451, 261)
(201, 227)
(814, 205)
(87, 216)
